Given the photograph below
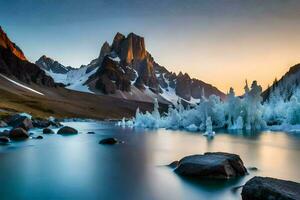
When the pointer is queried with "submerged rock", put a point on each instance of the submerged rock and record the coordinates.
(217, 165)
(66, 130)
(90, 132)
(252, 168)
(18, 134)
(48, 131)
(260, 188)
(39, 137)
(108, 141)
(4, 140)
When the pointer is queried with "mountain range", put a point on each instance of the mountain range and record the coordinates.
(123, 77)
(125, 69)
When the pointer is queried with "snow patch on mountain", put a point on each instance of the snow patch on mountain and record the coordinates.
(21, 85)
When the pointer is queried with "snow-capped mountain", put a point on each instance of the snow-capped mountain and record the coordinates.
(125, 69)
(286, 86)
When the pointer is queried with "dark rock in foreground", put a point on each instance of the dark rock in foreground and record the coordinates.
(217, 165)
(108, 141)
(18, 134)
(48, 131)
(4, 140)
(261, 188)
(66, 130)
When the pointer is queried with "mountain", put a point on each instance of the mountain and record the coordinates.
(13, 63)
(127, 70)
(49, 64)
(26, 87)
(286, 86)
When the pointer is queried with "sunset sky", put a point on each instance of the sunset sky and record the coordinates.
(219, 42)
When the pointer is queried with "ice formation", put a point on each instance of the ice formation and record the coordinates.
(235, 113)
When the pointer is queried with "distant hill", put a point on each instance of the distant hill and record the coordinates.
(285, 86)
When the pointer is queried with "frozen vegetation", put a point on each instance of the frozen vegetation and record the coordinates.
(247, 112)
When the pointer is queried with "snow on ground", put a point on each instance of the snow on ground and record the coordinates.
(170, 95)
(21, 85)
(75, 79)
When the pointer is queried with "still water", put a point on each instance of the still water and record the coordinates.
(77, 167)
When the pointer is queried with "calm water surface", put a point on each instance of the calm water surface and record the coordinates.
(77, 167)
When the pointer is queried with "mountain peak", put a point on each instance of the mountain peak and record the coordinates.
(49, 64)
(7, 44)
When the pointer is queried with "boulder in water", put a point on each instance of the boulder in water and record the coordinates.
(18, 134)
(66, 130)
(48, 131)
(260, 188)
(4, 140)
(217, 165)
(38, 137)
(108, 141)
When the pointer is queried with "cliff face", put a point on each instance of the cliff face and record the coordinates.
(127, 65)
(13, 63)
(12, 47)
(138, 66)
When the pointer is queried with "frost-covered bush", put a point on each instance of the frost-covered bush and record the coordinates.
(245, 112)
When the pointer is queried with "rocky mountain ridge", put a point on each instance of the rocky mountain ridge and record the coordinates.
(286, 86)
(126, 65)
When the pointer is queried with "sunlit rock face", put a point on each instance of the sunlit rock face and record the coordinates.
(126, 65)
(7, 44)
(13, 63)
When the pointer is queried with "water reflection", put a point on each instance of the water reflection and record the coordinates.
(77, 167)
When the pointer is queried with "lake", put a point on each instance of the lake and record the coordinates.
(77, 167)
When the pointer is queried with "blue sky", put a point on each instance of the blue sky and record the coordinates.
(219, 41)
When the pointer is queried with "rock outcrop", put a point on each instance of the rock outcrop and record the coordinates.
(261, 188)
(12, 47)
